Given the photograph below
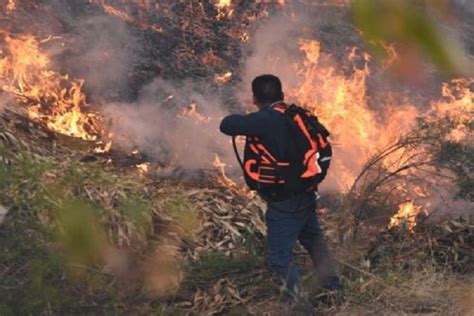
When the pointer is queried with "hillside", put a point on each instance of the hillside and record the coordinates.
(118, 195)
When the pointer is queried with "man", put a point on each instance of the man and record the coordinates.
(290, 216)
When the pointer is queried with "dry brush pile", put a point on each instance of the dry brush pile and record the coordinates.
(108, 229)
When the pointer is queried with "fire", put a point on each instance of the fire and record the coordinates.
(342, 104)
(339, 99)
(244, 37)
(143, 168)
(52, 98)
(458, 99)
(223, 4)
(105, 149)
(11, 6)
(220, 166)
(407, 213)
(223, 78)
(224, 9)
(140, 23)
(458, 103)
(191, 111)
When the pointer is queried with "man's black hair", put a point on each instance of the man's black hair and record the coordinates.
(267, 89)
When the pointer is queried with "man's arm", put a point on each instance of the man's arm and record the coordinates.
(252, 124)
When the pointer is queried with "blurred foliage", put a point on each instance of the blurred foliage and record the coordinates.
(80, 234)
(409, 23)
(62, 222)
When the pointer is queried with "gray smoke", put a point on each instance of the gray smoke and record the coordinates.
(173, 123)
(103, 53)
(467, 5)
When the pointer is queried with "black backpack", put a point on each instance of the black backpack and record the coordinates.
(305, 165)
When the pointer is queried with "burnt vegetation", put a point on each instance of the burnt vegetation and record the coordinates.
(116, 232)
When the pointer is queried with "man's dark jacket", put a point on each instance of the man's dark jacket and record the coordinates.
(273, 130)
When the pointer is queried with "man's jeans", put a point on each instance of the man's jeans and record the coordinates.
(288, 222)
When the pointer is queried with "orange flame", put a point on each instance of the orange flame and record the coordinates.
(341, 103)
(221, 79)
(223, 4)
(191, 111)
(224, 9)
(102, 150)
(11, 6)
(53, 99)
(220, 166)
(130, 19)
(407, 213)
(458, 99)
(143, 168)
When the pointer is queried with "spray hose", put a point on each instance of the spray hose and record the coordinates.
(236, 151)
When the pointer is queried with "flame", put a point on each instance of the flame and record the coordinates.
(123, 15)
(458, 99)
(143, 168)
(341, 103)
(221, 79)
(339, 99)
(244, 37)
(458, 103)
(11, 6)
(220, 166)
(102, 150)
(221, 4)
(407, 213)
(191, 111)
(52, 98)
(224, 9)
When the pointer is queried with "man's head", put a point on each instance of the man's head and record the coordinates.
(266, 90)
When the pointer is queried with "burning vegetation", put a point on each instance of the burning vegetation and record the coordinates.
(113, 177)
(50, 97)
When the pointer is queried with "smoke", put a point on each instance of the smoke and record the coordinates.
(102, 51)
(277, 51)
(467, 5)
(351, 94)
(274, 45)
(174, 123)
